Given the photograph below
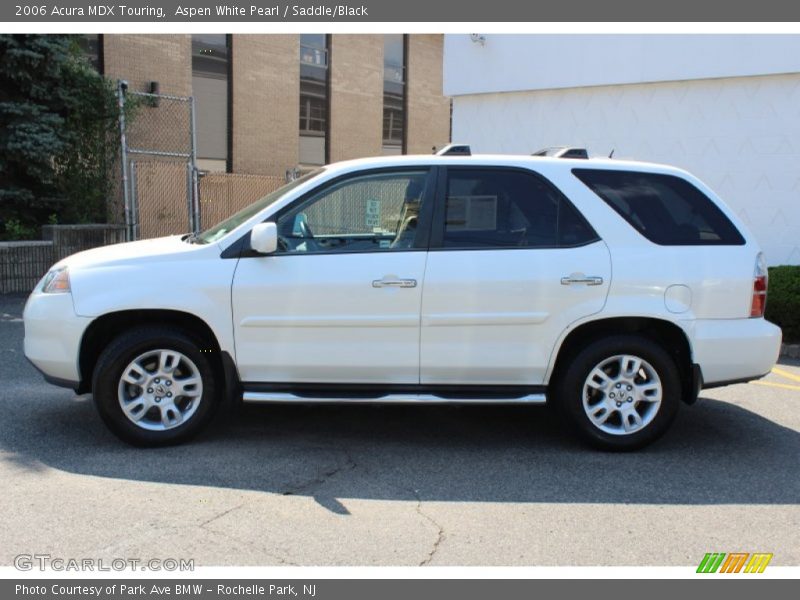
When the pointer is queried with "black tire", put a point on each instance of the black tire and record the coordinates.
(121, 352)
(569, 394)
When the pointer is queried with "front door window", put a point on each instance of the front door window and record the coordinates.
(367, 213)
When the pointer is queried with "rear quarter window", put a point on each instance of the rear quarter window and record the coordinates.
(666, 209)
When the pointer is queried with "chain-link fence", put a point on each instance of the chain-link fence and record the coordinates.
(159, 164)
(222, 194)
(369, 205)
(164, 193)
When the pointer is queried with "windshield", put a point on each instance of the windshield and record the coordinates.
(225, 227)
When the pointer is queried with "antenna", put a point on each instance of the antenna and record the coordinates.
(611, 155)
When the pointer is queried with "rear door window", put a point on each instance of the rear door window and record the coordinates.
(666, 209)
(507, 208)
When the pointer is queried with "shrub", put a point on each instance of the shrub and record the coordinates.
(18, 231)
(783, 301)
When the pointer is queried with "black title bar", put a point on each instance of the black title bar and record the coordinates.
(445, 11)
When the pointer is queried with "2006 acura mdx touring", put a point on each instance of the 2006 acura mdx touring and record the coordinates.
(615, 290)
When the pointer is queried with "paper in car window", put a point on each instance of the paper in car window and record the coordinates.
(373, 213)
(471, 213)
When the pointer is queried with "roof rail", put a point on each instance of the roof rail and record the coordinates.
(562, 152)
(455, 150)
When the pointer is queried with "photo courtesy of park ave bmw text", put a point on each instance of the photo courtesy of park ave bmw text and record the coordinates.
(333, 300)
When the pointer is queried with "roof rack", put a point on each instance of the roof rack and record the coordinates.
(455, 150)
(562, 152)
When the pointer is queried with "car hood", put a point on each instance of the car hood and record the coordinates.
(165, 248)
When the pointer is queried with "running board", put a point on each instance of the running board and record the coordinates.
(285, 397)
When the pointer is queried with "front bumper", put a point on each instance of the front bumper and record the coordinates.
(53, 334)
(734, 350)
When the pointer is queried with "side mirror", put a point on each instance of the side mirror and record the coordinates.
(264, 238)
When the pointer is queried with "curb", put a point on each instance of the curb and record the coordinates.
(790, 350)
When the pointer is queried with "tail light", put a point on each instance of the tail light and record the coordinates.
(760, 283)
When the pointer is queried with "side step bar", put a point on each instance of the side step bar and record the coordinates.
(285, 397)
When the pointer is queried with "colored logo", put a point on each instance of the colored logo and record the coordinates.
(734, 562)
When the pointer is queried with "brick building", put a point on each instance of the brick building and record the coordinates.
(269, 103)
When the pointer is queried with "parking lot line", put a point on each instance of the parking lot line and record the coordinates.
(786, 374)
(785, 386)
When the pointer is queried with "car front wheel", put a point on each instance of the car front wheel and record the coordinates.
(154, 386)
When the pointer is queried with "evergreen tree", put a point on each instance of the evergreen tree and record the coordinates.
(57, 134)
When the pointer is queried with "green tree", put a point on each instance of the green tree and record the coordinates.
(58, 141)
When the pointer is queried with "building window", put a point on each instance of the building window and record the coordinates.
(313, 98)
(210, 69)
(92, 46)
(394, 92)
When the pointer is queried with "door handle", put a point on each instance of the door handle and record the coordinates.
(399, 283)
(587, 280)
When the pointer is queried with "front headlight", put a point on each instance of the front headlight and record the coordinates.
(56, 281)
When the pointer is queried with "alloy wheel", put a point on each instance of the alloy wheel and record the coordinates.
(160, 390)
(622, 394)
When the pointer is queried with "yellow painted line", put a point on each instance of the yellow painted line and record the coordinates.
(785, 386)
(786, 374)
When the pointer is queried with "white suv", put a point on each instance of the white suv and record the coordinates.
(614, 290)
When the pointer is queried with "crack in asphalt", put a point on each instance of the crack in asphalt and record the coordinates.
(321, 478)
(220, 515)
(440, 534)
(205, 526)
(249, 543)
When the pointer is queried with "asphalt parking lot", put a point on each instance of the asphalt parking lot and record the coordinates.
(396, 485)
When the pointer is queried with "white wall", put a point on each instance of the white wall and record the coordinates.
(536, 62)
(740, 135)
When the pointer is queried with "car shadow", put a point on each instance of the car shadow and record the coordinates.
(715, 453)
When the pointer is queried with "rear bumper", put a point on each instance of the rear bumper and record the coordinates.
(734, 350)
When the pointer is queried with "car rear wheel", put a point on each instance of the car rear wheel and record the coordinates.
(154, 386)
(620, 393)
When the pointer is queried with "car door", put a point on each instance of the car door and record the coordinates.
(339, 302)
(512, 263)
